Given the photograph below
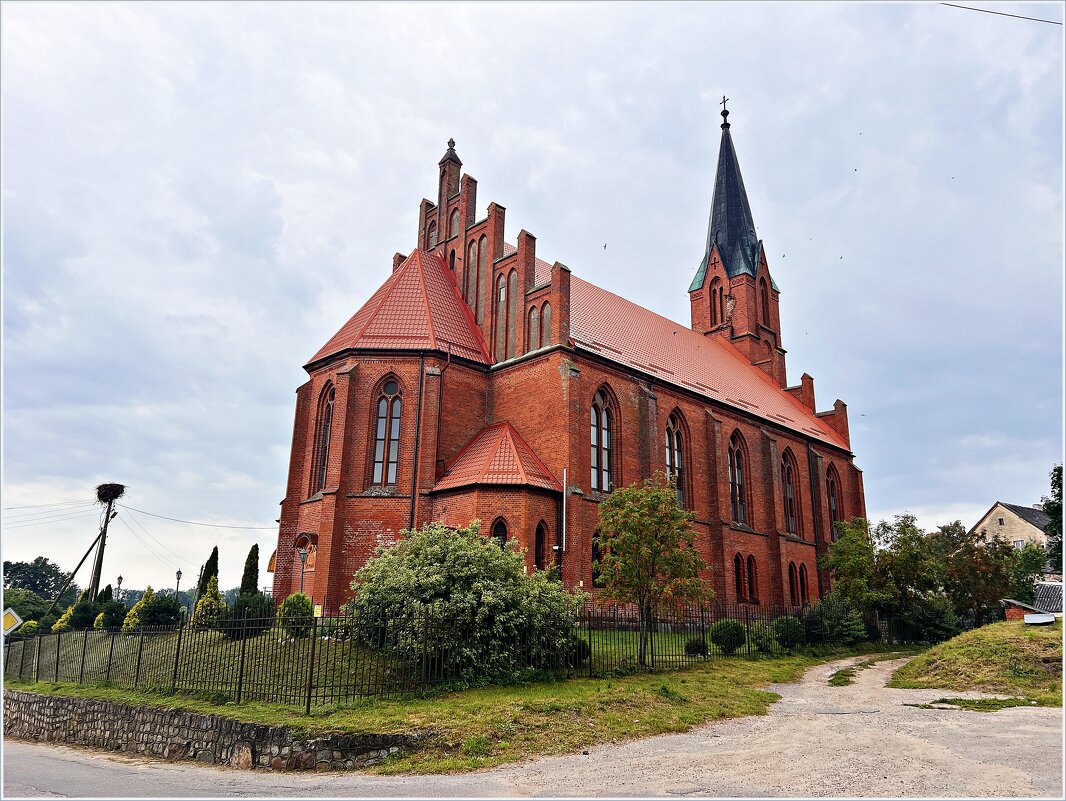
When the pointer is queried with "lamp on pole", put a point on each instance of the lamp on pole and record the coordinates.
(118, 592)
(177, 583)
(302, 550)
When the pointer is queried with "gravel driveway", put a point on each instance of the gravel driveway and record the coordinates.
(859, 740)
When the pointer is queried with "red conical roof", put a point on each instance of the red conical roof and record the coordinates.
(418, 308)
(496, 455)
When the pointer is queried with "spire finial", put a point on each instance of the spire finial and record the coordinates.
(725, 113)
(451, 144)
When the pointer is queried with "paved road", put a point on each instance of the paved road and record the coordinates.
(860, 740)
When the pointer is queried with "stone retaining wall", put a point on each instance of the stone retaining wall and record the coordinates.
(173, 734)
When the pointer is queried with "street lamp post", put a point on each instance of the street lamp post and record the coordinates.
(303, 562)
(118, 592)
(177, 584)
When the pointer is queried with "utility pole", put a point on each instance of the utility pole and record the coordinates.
(105, 493)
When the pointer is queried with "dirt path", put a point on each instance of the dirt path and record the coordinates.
(858, 740)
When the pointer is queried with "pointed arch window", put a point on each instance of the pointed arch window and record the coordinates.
(803, 591)
(431, 235)
(470, 282)
(764, 297)
(546, 325)
(716, 302)
(479, 296)
(738, 465)
(788, 490)
(832, 491)
(540, 544)
(753, 579)
(534, 328)
(453, 223)
(501, 319)
(499, 533)
(675, 460)
(451, 260)
(389, 409)
(600, 431)
(793, 585)
(323, 430)
(738, 576)
(512, 314)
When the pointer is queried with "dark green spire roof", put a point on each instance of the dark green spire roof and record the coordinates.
(731, 228)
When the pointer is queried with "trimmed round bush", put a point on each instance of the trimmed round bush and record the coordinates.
(763, 637)
(790, 632)
(459, 594)
(728, 635)
(77, 617)
(578, 652)
(296, 615)
(696, 646)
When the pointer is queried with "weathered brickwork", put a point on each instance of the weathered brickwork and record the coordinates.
(173, 734)
(544, 388)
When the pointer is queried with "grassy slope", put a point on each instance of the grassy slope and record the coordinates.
(1009, 658)
(489, 726)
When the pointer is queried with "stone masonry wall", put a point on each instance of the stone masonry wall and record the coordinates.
(172, 734)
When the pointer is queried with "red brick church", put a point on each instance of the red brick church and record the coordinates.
(480, 381)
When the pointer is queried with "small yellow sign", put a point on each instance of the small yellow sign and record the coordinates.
(318, 610)
(11, 620)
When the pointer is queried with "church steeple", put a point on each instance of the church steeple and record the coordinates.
(733, 294)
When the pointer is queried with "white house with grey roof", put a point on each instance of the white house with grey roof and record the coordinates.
(1018, 525)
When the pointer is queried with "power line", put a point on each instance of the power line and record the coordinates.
(157, 542)
(24, 524)
(166, 562)
(38, 505)
(193, 522)
(1002, 14)
(42, 513)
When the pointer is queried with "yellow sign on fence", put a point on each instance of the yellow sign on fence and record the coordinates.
(11, 620)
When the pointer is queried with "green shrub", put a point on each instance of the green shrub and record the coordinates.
(252, 614)
(728, 635)
(762, 636)
(210, 608)
(441, 587)
(77, 617)
(152, 610)
(931, 620)
(834, 621)
(578, 651)
(696, 646)
(790, 632)
(105, 595)
(112, 613)
(296, 615)
(31, 628)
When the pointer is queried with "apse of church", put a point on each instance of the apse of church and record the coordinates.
(483, 382)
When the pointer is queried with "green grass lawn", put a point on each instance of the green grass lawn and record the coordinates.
(1007, 658)
(493, 725)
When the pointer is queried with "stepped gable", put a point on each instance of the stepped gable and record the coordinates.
(496, 455)
(418, 308)
(621, 331)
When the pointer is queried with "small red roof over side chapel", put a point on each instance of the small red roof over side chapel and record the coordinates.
(419, 307)
(496, 455)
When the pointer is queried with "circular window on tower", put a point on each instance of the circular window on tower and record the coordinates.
(391, 388)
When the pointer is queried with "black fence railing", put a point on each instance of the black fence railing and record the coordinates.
(337, 660)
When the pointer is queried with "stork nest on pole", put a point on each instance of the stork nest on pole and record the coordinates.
(105, 493)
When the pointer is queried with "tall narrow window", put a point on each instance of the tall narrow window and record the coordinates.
(387, 434)
(721, 305)
(453, 223)
(451, 260)
(753, 580)
(501, 319)
(803, 596)
(832, 491)
(499, 533)
(674, 458)
(737, 490)
(716, 289)
(793, 588)
(764, 296)
(600, 439)
(788, 489)
(738, 576)
(539, 546)
(534, 328)
(512, 314)
(323, 429)
(479, 296)
(597, 555)
(470, 280)
(431, 235)
(546, 325)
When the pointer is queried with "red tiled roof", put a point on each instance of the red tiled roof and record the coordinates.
(619, 330)
(542, 271)
(496, 455)
(419, 307)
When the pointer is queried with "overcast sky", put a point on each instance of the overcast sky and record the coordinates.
(195, 197)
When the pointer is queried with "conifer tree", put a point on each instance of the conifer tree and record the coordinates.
(106, 594)
(250, 579)
(210, 607)
(210, 569)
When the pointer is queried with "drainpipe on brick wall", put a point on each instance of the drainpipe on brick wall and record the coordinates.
(418, 438)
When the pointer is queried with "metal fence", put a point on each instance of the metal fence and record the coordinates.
(335, 661)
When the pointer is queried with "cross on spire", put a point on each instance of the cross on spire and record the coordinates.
(725, 113)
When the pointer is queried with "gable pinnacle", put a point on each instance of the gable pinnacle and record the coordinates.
(450, 155)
